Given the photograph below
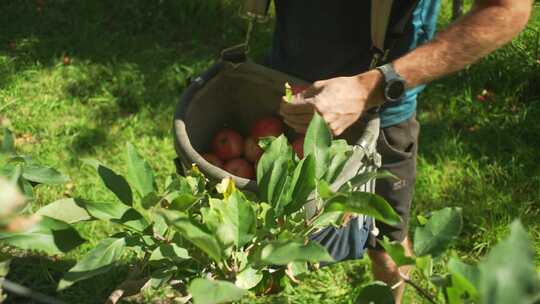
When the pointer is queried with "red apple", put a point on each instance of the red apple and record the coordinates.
(298, 146)
(298, 88)
(252, 151)
(213, 159)
(240, 167)
(228, 144)
(267, 126)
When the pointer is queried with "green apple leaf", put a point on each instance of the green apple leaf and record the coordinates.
(238, 212)
(97, 261)
(365, 177)
(285, 252)
(113, 181)
(327, 218)
(117, 213)
(303, 183)
(273, 173)
(443, 227)
(214, 292)
(248, 278)
(396, 251)
(140, 173)
(66, 210)
(43, 175)
(317, 143)
(339, 154)
(197, 235)
(508, 274)
(364, 203)
(170, 252)
(465, 280)
(49, 235)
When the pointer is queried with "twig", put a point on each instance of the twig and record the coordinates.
(419, 289)
(27, 292)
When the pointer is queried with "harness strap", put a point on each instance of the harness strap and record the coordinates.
(384, 38)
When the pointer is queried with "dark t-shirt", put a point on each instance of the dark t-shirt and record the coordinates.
(321, 39)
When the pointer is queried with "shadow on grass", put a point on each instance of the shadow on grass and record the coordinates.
(142, 52)
(42, 275)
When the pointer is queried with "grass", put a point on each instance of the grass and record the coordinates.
(130, 61)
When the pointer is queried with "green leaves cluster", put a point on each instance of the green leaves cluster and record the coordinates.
(506, 275)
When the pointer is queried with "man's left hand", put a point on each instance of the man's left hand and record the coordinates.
(340, 101)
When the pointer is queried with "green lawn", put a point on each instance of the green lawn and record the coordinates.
(130, 61)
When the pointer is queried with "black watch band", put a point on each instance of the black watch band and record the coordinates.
(394, 84)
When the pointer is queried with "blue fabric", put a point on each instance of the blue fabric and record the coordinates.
(424, 24)
(345, 243)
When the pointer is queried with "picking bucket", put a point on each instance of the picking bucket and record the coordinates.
(236, 95)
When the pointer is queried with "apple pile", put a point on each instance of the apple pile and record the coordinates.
(238, 155)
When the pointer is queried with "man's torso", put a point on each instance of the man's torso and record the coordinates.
(320, 39)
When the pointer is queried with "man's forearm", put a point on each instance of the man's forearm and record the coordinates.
(489, 25)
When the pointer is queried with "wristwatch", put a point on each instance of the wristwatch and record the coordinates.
(394, 84)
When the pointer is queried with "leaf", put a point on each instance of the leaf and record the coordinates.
(339, 154)
(465, 278)
(195, 234)
(49, 235)
(375, 293)
(150, 200)
(161, 276)
(303, 183)
(273, 173)
(396, 251)
(116, 213)
(317, 143)
(140, 173)
(170, 252)
(508, 274)
(324, 190)
(441, 229)
(364, 178)
(248, 278)
(113, 181)
(183, 201)
(66, 210)
(43, 175)
(364, 203)
(8, 144)
(239, 214)
(213, 292)
(97, 261)
(327, 218)
(285, 252)
(288, 93)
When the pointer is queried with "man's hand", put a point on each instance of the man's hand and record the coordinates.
(340, 101)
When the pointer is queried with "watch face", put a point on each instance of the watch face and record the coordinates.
(395, 90)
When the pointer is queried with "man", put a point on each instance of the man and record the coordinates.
(329, 43)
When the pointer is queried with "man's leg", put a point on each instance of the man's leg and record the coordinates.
(384, 269)
(398, 146)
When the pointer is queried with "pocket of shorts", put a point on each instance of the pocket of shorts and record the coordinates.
(404, 139)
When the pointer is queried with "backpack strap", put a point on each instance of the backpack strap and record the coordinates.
(384, 38)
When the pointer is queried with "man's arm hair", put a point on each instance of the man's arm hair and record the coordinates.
(489, 25)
